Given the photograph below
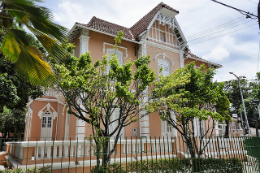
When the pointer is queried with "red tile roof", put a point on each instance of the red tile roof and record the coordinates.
(133, 32)
(143, 23)
(129, 33)
(187, 54)
(107, 27)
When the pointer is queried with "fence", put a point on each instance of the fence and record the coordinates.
(131, 155)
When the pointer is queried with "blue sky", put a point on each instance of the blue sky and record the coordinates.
(237, 52)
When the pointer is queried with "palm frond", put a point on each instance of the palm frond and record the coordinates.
(36, 70)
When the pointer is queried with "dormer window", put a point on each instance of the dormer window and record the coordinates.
(162, 37)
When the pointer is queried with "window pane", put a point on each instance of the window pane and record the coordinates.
(162, 37)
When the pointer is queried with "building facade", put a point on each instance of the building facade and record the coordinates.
(157, 34)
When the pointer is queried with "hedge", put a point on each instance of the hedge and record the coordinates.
(232, 165)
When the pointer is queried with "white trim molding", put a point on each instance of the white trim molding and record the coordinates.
(84, 42)
(104, 48)
(161, 46)
(163, 55)
(49, 107)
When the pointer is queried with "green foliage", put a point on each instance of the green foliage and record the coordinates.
(189, 93)
(93, 93)
(16, 42)
(12, 121)
(14, 91)
(28, 170)
(175, 165)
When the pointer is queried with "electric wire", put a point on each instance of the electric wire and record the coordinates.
(252, 1)
(217, 32)
(223, 34)
(215, 28)
(241, 11)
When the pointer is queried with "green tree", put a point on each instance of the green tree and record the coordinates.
(16, 45)
(190, 94)
(12, 121)
(14, 90)
(93, 93)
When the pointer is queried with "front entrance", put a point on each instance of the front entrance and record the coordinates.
(46, 126)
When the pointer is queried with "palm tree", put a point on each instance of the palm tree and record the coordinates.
(15, 44)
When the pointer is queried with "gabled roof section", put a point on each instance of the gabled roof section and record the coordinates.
(143, 23)
(108, 27)
(192, 56)
(113, 29)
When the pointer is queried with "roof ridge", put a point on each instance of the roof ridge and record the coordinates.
(109, 22)
(147, 19)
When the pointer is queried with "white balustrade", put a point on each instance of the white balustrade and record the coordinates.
(50, 92)
(80, 148)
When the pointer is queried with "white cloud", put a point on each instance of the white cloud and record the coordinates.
(217, 54)
(237, 52)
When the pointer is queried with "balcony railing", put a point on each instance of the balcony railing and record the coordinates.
(28, 151)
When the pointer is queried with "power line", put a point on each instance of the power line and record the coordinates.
(215, 32)
(241, 11)
(222, 35)
(222, 25)
(252, 1)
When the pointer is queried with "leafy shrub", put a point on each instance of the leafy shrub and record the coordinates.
(174, 165)
(29, 170)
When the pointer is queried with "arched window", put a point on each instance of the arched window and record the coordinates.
(165, 65)
(119, 56)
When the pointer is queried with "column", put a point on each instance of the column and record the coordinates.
(84, 41)
(182, 59)
(144, 122)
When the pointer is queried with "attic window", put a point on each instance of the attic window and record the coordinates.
(162, 37)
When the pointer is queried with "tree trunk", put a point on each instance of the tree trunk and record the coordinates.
(195, 162)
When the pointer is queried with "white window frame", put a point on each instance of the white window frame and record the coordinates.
(162, 37)
(113, 51)
(196, 124)
(164, 62)
(44, 114)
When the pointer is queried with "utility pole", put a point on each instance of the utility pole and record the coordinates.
(258, 12)
(247, 124)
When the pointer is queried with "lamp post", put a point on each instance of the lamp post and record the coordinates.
(255, 103)
(238, 78)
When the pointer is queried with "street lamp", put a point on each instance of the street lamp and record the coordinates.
(238, 78)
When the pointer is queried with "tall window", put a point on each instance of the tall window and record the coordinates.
(199, 127)
(119, 57)
(162, 37)
(165, 65)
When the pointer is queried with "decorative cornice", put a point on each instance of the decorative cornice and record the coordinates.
(49, 107)
(104, 48)
(46, 100)
(161, 46)
(164, 55)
